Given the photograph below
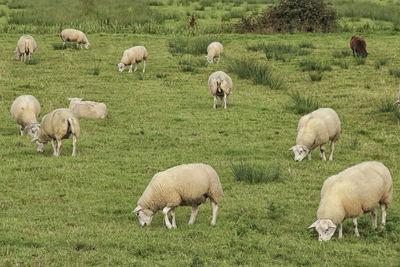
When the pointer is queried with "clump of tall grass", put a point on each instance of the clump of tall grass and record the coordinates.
(341, 53)
(281, 51)
(303, 104)
(95, 71)
(60, 46)
(191, 64)
(394, 72)
(252, 174)
(312, 65)
(275, 211)
(193, 45)
(360, 60)
(387, 105)
(306, 44)
(259, 72)
(316, 76)
(381, 62)
(341, 63)
(33, 61)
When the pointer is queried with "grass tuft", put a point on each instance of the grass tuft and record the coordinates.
(341, 53)
(387, 105)
(316, 76)
(312, 65)
(303, 104)
(360, 60)
(394, 72)
(33, 61)
(95, 71)
(381, 62)
(191, 64)
(256, 174)
(194, 45)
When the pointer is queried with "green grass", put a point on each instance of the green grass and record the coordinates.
(312, 65)
(303, 104)
(316, 76)
(256, 174)
(395, 72)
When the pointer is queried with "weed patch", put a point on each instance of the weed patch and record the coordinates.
(316, 76)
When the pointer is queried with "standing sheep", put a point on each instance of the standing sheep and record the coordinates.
(214, 50)
(57, 125)
(220, 85)
(26, 110)
(88, 109)
(351, 193)
(133, 55)
(316, 129)
(26, 46)
(72, 35)
(359, 46)
(183, 185)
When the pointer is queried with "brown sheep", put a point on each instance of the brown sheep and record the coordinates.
(359, 46)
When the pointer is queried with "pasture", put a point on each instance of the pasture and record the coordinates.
(77, 210)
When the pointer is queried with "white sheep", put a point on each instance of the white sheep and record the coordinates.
(26, 110)
(72, 35)
(220, 85)
(351, 193)
(88, 109)
(57, 125)
(214, 50)
(26, 46)
(133, 55)
(183, 185)
(316, 129)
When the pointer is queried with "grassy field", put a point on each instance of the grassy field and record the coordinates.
(77, 210)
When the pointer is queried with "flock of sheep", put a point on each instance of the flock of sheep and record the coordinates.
(348, 194)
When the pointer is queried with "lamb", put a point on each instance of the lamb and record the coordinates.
(57, 125)
(26, 46)
(88, 109)
(26, 110)
(220, 85)
(132, 55)
(214, 50)
(316, 129)
(183, 185)
(359, 46)
(349, 194)
(72, 35)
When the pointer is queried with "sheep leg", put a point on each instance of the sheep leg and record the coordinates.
(224, 100)
(219, 57)
(144, 66)
(374, 218)
(340, 230)
(332, 149)
(135, 67)
(215, 211)
(21, 128)
(30, 56)
(73, 145)
(215, 101)
(309, 155)
(130, 68)
(383, 209)
(173, 218)
(355, 227)
(54, 147)
(165, 212)
(58, 147)
(194, 214)
(24, 57)
(322, 152)
(63, 44)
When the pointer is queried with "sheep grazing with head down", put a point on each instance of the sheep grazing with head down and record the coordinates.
(133, 55)
(88, 109)
(26, 46)
(72, 35)
(57, 125)
(351, 193)
(220, 85)
(26, 110)
(214, 50)
(316, 129)
(183, 185)
(359, 46)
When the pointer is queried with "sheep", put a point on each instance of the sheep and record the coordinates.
(349, 194)
(220, 85)
(72, 35)
(26, 110)
(183, 185)
(214, 50)
(57, 125)
(133, 55)
(316, 129)
(359, 46)
(26, 46)
(88, 109)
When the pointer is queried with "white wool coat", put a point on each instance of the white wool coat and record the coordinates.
(72, 35)
(58, 124)
(88, 109)
(226, 83)
(134, 55)
(25, 110)
(26, 46)
(215, 49)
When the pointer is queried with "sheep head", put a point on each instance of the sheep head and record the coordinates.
(210, 59)
(121, 67)
(33, 129)
(300, 152)
(325, 228)
(87, 45)
(145, 215)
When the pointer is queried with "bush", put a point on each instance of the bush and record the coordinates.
(291, 16)
(256, 174)
(303, 104)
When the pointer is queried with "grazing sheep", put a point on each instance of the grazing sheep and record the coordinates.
(26, 46)
(57, 125)
(359, 46)
(349, 194)
(133, 55)
(316, 129)
(26, 110)
(88, 109)
(214, 50)
(220, 85)
(183, 185)
(72, 35)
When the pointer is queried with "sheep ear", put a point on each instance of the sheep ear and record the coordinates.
(331, 224)
(34, 139)
(138, 208)
(314, 224)
(291, 149)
